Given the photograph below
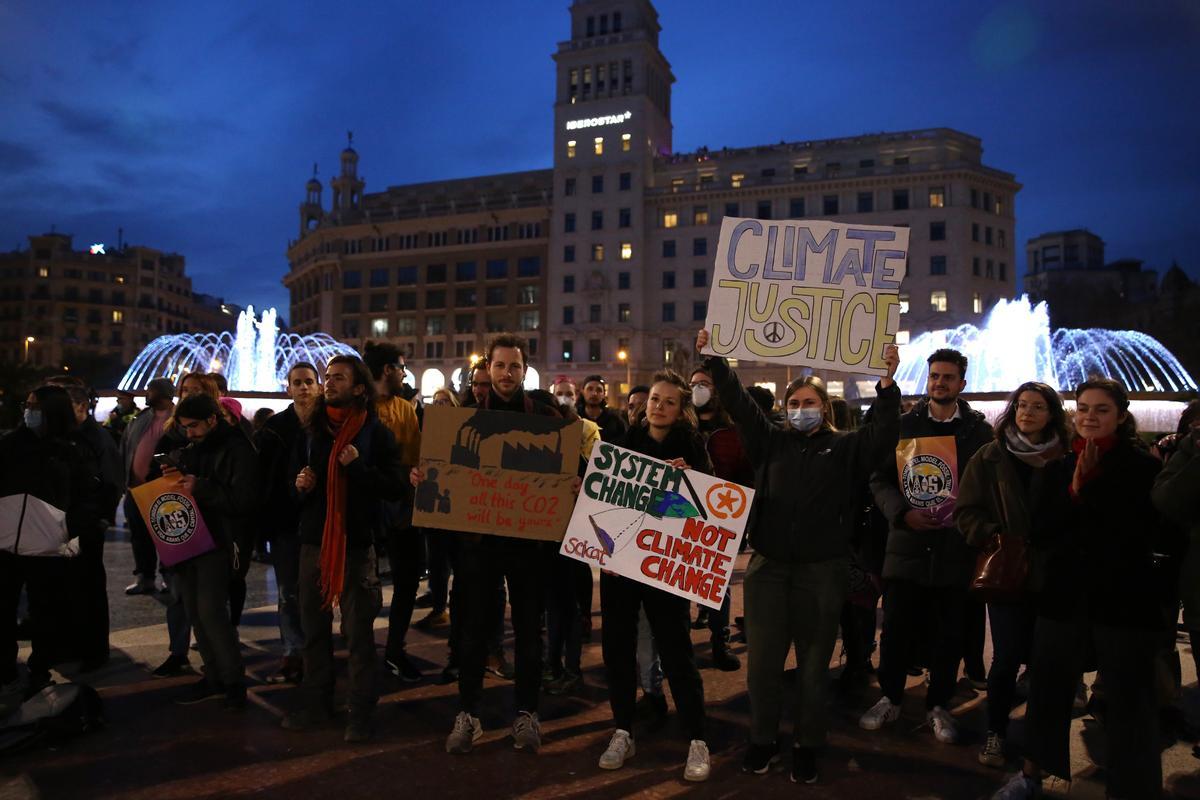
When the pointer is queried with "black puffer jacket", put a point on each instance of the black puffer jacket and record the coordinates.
(806, 486)
(682, 441)
(226, 490)
(278, 514)
(937, 557)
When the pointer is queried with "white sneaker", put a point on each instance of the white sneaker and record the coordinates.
(697, 768)
(620, 747)
(467, 731)
(878, 715)
(527, 732)
(944, 727)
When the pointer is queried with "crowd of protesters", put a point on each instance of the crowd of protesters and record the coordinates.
(1099, 532)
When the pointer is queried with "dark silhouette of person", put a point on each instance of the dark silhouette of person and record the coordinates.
(427, 493)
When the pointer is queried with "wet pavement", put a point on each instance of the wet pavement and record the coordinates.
(154, 749)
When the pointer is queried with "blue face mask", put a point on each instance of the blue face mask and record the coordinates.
(33, 419)
(805, 419)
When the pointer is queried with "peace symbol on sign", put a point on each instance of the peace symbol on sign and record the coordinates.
(773, 332)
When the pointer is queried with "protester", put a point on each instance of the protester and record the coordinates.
(260, 418)
(480, 385)
(566, 395)
(346, 465)
(46, 460)
(669, 433)
(928, 563)
(218, 469)
(486, 559)
(635, 402)
(1177, 497)
(231, 408)
(995, 510)
(730, 463)
(279, 516)
(438, 547)
(123, 413)
(594, 406)
(404, 544)
(137, 456)
(1097, 533)
(799, 575)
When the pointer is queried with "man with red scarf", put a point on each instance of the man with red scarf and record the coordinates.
(346, 464)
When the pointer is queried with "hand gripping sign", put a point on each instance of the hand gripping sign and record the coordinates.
(173, 519)
(928, 470)
(821, 294)
(676, 530)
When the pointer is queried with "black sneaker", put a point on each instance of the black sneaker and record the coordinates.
(449, 675)
(424, 601)
(723, 659)
(701, 621)
(403, 669)
(198, 692)
(760, 758)
(804, 765)
(173, 667)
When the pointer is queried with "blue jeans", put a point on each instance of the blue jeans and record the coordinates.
(285, 556)
(179, 629)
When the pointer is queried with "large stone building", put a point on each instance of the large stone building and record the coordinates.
(618, 237)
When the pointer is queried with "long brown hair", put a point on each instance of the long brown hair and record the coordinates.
(1057, 424)
(687, 411)
(818, 386)
(1127, 429)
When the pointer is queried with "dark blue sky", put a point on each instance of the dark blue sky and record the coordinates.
(195, 125)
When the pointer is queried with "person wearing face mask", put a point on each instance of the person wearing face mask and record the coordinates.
(1098, 533)
(800, 528)
(729, 463)
(928, 565)
(995, 507)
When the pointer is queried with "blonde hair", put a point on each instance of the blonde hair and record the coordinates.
(453, 400)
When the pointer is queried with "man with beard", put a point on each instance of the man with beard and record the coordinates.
(345, 465)
(595, 408)
(280, 519)
(928, 566)
(635, 402)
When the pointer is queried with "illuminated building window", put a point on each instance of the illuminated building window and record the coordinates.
(597, 252)
(670, 219)
(938, 301)
(599, 141)
(626, 142)
(700, 215)
(976, 303)
(379, 327)
(835, 388)
(902, 337)
(626, 251)
(43, 272)
(735, 180)
(904, 303)
(118, 317)
(571, 148)
(937, 197)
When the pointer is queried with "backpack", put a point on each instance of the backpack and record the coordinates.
(54, 715)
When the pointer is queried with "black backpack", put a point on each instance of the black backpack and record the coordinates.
(52, 716)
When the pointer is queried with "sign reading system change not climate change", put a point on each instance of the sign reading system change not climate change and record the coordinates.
(674, 529)
(821, 294)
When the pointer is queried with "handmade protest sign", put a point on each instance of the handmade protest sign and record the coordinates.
(821, 294)
(928, 470)
(674, 529)
(497, 472)
(174, 521)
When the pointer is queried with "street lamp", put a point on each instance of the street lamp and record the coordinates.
(28, 341)
(623, 357)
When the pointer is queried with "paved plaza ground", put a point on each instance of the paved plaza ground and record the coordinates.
(156, 750)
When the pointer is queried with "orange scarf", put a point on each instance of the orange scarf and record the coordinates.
(345, 424)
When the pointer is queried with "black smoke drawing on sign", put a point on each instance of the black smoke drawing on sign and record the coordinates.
(521, 439)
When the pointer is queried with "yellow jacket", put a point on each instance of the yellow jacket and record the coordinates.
(401, 419)
(591, 435)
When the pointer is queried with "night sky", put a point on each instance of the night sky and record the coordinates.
(195, 125)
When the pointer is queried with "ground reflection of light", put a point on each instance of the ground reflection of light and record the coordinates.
(254, 359)
(1016, 345)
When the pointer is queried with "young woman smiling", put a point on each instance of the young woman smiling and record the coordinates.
(994, 509)
(1096, 534)
(667, 432)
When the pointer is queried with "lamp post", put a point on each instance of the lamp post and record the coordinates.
(28, 341)
(623, 357)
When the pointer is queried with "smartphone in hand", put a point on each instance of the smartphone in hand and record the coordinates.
(166, 460)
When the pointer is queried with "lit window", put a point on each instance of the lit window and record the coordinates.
(938, 301)
(937, 197)
(626, 251)
(379, 327)
(976, 303)
(835, 388)
(571, 148)
(597, 252)
(599, 145)
(700, 216)
(626, 142)
(904, 303)
(43, 272)
(118, 317)
(735, 180)
(902, 337)
(670, 219)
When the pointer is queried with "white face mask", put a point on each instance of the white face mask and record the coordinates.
(564, 399)
(701, 394)
(33, 418)
(805, 419)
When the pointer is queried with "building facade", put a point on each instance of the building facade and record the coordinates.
(628, 226)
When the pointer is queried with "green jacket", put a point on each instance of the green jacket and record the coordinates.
(1177, 496)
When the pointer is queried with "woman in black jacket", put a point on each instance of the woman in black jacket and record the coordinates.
(669, 433)
(804, 509)
(1097, 533)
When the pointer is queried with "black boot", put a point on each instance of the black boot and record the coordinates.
(722, 658)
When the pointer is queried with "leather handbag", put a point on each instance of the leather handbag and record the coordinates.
(1001, 570)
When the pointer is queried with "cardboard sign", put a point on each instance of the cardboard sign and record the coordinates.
(676, 530)
(497, 472)
(821, 294)
(174, 521)
(928, 470)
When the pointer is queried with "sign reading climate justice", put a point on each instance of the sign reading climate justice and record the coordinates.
(674, 529)
(821, 294)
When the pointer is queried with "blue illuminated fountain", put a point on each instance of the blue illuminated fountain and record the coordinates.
(255, 358)
(1016, 345)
